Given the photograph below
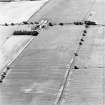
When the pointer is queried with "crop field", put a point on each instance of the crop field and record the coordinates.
(64, 64)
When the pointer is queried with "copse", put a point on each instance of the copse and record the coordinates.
(33, 33)
(25, 22)
(12, 24)
(90, 23)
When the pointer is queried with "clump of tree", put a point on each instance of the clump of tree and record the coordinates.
(25, 22)
(78, 23)
(90, 23)
(33, 33)
(12, 24)
(6, 24)
(31, 23)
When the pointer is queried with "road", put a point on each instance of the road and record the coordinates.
(38, 73)
(86, 85)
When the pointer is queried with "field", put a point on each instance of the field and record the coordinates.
(36, 77)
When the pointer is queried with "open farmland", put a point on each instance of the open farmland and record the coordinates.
(37, 77)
